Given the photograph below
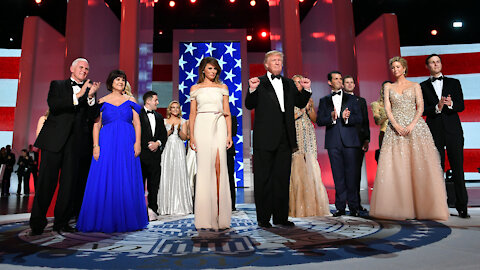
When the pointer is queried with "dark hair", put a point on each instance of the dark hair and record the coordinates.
(212, 61)
(113, 75)
(348, 76)
(329, 76)
(24, 150)
(430, 56)
(387, 81)
(148, 95)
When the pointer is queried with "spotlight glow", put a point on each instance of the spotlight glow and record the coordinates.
(434, 32)
(38, 2)
(263, 34)
(193, 1)
(249, 37)
(171, 3)
(458, 24)
(232, 1)
(253, 3)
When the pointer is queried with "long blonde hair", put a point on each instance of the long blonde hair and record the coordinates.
(128, 89)
(169, 109)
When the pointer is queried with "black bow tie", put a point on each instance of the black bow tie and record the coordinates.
(439, 78)
(79, 84)
(149, 112)
(276, 77)
(336, 93)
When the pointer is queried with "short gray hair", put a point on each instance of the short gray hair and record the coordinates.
(75, 62)
(271, 53)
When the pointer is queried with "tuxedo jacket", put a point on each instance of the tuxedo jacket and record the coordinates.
(147, 136)
(448, 120)
(363, 129)
(66, 119)
(269, 118)
(340, 134)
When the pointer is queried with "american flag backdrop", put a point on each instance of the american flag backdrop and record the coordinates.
(9, 74)
(228, 56)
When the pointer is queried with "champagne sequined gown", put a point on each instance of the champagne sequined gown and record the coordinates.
(409, 183)
(308, 196)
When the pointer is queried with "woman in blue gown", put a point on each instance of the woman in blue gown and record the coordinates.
(114, 198)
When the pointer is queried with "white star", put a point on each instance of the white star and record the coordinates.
(232, 98)
(181, 87)
(190, 75)
(230, 49)
(241, 166)
(198, 61)
(190, 48)
(238, 63)
(229, 75)
(210, 49)
(240, 110)
(187, 100)
(240, 138)
(181, 62)
(239, 87)
(221, 62)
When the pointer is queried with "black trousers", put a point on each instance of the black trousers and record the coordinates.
(6, 181)
(344, 165)
(25, 178)
(454, 146)
(151, 172)
(51, 164)
(272, 181)
(231, 177)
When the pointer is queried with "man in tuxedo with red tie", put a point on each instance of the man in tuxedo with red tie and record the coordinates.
(443, 100)
(153, 139)
(63, 140)
(339, 113)
(273, 98)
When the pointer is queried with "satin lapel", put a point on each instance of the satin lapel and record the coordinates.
(286, 99)
(432, 90)
(344, 101)
(445, 89)
(270, 90)
(330, 102)
(145, 118)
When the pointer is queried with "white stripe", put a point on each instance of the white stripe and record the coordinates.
(471, 133)
(8, 92)
(10, 52)
(472, 176)
(469, 84)
(6, 138)
(439, 49)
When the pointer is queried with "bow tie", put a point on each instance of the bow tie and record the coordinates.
(336, 93)
(74, 83)
(149, 112)
(439, 78)
(276, 77)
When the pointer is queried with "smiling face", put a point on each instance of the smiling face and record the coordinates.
(175, 109)
(210, 72)
(349, 85)
(434, 65)
(296, 80)
(274, 64)
(152, 103)
(336, 82)
(80, 71)
(118, 84)
(398, 69)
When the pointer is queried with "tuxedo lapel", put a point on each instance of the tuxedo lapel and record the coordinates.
(271, 91)
(432, 90)
(286, 99)
(344, 101)
(147, 121)
(446, 89)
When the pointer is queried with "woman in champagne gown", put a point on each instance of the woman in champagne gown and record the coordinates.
(174, 193)
(308, 196)
(210, 136)
(409, 183)
(114, 198)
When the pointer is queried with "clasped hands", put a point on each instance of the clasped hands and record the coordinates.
(404, 131)
(93, 89)
(444, 101)
(345, 114)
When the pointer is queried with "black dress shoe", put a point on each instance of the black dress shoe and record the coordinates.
(36, 232)
(362, 209)
(265, 224)
(67, 228)
(463, 214)
(339, 213)
(285, 223)
(354, 213)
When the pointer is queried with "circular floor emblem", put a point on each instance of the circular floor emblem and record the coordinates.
(173, 242)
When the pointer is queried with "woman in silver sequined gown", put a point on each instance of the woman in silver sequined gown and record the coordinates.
(409, 183)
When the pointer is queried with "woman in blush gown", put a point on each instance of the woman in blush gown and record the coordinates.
(114, 198)
(409, 183)
(308, 196)
(174, 193)
(210, 136)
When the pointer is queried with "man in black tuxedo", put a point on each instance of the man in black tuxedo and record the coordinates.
(340, 113)
(34, 157)
(231, 152)
(153, 139)
(62, 140)
(443, 100)
(9, 163)
(273, 98)
(363, 130)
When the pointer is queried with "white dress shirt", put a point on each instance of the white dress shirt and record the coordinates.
(438, 86)
(76, 89)
(153, 123)
(278, 87)
(337, 104)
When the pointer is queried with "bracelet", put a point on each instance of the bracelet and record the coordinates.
(96, 145)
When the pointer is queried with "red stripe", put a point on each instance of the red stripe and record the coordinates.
(257, 70)
(471, 112)
(162, 73)
(471, 160)
(461, 63)
(7, 115)
(9, 67)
